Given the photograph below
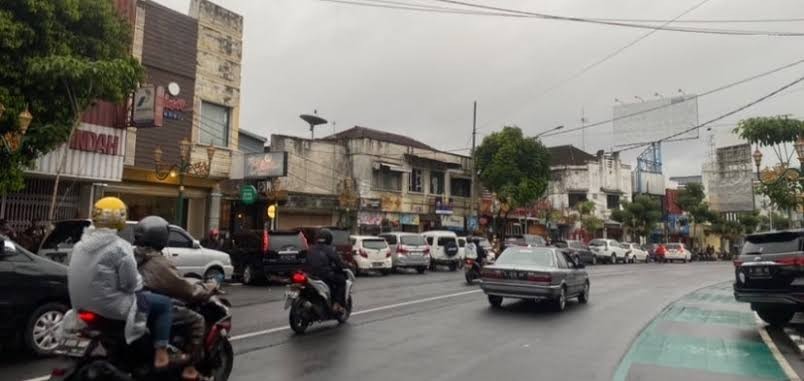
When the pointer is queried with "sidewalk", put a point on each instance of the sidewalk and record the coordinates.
(704, 336)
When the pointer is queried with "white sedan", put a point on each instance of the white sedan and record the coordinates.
(677, 252)
(636, 254)
(193, 260)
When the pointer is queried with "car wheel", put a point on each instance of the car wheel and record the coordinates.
(560, 303)
(776, 318)
(214, 274)
(614, 259)
(41, 331)
(584, 296)
(250, 275)
(495, 301)
(421, 269)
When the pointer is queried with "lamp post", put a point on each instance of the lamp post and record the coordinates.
(13, 139)
(556, 128)
(784, 172)
(184, 167)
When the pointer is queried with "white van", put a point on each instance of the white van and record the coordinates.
(444, 249)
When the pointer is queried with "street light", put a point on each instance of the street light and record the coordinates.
(783, 172)
(13, 139)
(556, 128)
(182, 168)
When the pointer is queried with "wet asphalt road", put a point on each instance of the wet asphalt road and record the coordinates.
(435, 327)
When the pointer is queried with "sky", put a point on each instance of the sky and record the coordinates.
(417, 73)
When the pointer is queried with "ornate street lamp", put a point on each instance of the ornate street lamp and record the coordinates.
(783, 170)
(184, 167)
(13, 139)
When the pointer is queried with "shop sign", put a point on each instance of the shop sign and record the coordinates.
(392, 218)
(147, 107)
(248, 194)
(89, 141)
(369, 218)
(264, 165)
(443, 205)
(370, 203)
(173, 108)
(391, 203)
(409, 219)
(471, 223)
(452, 221)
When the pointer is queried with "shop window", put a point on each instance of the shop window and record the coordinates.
(386, 179)
(460, 187)
(214, 125)
(613, 201)
(416, 181)
(436, 182)
(576, 198)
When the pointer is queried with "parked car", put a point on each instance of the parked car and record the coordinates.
(33, 298)
(578, 251)
(542, 273)
(768, 272)
(371, 253)
(340, 239)
(608, 250)
(186, 253)
(635, 252)
(462, 248)
(443, 248)
(676, 251)
(259, 253)
(408, 250)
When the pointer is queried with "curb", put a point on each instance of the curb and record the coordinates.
(788, 370)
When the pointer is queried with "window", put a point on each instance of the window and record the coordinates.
(430, 241)
(386, 179)
(461, 242)
(412, 240)
(447, 241)
(613, 201)
(436, 182)
(562, 261)
(576, 245)
(214, 125)
(598, 243)
(576, 198)
(391, 239)
(460, 187)
(375, 244)
(527, 256)
(416, 183)
(179, 239)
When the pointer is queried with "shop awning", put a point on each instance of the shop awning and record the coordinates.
(390, 166)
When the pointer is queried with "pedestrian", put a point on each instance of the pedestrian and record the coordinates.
(213, 240)
(7, 230)
(661, 251)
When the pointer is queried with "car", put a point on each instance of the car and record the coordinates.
(535, 240)
(535, 273)
(371, 253)
(462, 248)
(184, 251)
(635, 252)
(443, 248)
(340, 239)
(676, 251)
(408, 250)
(578, 250)
(767, 275)
(608, 250)
(258, 254)
(33, 298)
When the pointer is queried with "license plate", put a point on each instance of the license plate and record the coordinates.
(290, 296)
(378, 264)
(758, 272)
(73, 347)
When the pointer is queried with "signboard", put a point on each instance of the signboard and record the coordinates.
(391, 203)
(268, 164)
(248, 194)
(452, 221)
(641, 122)
(271, 211)
(730, 179)
(443, 205)
(96, 153)
(369, 218)
(147, 107)
(89, 141)
(370, 203)
(173, 108)
(409, 219)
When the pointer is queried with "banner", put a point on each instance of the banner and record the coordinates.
(409, 219)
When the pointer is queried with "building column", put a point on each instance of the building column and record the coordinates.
(214, 219)
(86, 200)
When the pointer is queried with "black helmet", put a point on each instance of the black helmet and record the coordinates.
(324, 237)
(151, 231)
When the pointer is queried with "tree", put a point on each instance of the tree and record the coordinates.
(639, 216)
(780, 222)
(589, 222)
(691, 200)
(56, 58)
(749, 222)
(513, 167)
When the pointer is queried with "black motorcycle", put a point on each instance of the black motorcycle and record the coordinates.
(310, 300)
(99, 350)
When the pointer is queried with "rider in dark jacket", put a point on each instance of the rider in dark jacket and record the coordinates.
(482, 254)
(324, 263)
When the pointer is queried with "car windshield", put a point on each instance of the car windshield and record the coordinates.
(674, 246)
(560, 244)
(447, 241)
(412, 240)
(597, 243)
(772, 243)
(527, 256)
(575, 244)
(375, 244)
(535, 240)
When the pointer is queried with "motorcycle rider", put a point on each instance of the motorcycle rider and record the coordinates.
(102, 277)
(160, 275)
(482, 254)
(324, 263)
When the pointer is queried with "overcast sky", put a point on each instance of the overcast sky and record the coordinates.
(418, 73)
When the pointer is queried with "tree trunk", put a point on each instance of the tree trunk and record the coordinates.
(60, 169)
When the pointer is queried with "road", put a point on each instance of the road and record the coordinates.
(435, 327)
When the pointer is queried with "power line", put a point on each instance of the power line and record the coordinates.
(723, 116)
(687, 99)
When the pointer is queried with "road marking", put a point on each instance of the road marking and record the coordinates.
(43, 378)
(370, 310)
(788, 370)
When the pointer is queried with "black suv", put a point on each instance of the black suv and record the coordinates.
(769, 274)
(258, 253)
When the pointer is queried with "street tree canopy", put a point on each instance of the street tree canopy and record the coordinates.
(56, 58)
(513, 167)
(640, 216)
(589, 221)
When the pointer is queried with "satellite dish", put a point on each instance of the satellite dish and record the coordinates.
(174, 89)
(313, 120)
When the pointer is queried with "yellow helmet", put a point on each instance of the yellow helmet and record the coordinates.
(110, 212)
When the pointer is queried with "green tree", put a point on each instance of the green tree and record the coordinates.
(513, 167)
(639, 216)
(56, 58)
(749, 222)
(780, 222)
(589, 222)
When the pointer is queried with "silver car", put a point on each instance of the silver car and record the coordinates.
(540, 273)
(408, 250)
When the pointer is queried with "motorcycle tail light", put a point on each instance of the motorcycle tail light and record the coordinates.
(88, 317)
(266, 241)
(299, 278)
(469, 262)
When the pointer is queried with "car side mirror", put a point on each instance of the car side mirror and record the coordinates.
(196, 244)
(7, 248)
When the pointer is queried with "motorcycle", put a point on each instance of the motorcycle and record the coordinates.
(99, 351)
(472, 269)
(310, 301)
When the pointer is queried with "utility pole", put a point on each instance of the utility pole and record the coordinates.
(473, 201)
(583, 130)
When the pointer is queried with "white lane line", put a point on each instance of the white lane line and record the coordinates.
(370, 310)
(788, 370)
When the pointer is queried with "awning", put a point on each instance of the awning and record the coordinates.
(390, 166)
